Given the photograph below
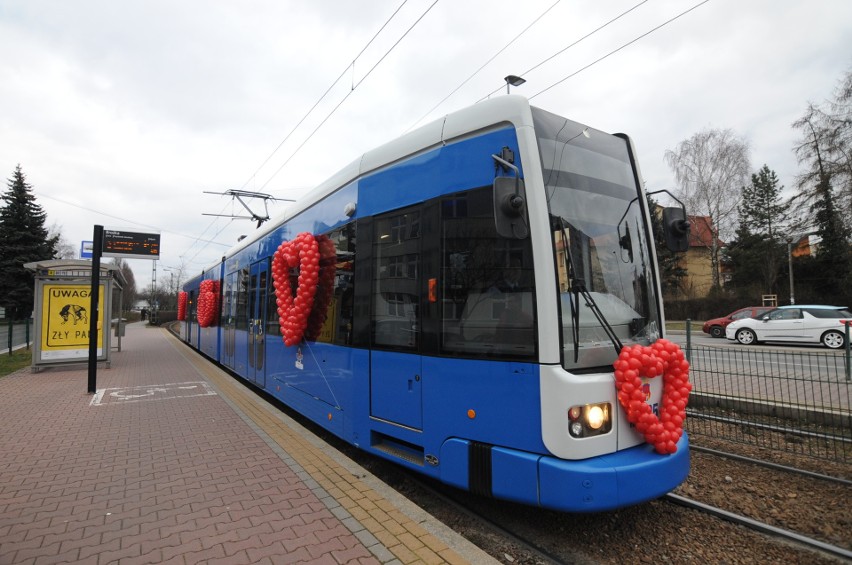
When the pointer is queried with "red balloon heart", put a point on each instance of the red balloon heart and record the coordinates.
(662, 358)
(294, 308)
(208, 303)
(181, 306)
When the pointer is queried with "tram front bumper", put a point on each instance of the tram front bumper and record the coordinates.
(607, 482)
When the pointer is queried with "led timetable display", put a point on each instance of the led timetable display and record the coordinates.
(131, 244)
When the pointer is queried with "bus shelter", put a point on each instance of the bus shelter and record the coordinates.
(61, 310)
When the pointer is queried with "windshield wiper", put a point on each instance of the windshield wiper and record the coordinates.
(578, 287)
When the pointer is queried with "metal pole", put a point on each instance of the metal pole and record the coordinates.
(11, 328)
(848, 358)
(790, 268)
(28, 334)
(689, 340)
(97, 249)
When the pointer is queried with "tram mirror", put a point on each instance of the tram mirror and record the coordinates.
(676, 228)
(510, 208)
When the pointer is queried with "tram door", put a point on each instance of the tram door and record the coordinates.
(258, 289)
(396, 384)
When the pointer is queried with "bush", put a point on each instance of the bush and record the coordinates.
(704, 308)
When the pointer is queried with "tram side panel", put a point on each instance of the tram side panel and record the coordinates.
(319, 376)
(419, 393)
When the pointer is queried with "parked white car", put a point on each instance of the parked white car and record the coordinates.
(804, 324)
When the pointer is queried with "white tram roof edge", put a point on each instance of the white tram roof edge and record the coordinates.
(507, 109)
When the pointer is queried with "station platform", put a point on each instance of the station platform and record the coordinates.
(174, 461)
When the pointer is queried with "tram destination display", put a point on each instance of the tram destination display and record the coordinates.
(120, 243)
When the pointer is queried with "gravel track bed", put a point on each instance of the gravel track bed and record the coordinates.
(659, 531)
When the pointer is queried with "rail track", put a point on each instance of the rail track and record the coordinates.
(542, 545)
(758, 526)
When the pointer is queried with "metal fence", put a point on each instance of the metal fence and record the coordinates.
(795, 402)
(14, 335)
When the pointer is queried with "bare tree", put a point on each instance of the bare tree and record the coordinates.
(128, 293)
(64, 248)
(710, 168)
(825, 150)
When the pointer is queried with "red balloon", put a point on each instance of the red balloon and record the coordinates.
(638, 363)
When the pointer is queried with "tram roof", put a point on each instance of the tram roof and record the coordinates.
(507, 109)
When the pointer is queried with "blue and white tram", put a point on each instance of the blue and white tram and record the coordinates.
(486, 270)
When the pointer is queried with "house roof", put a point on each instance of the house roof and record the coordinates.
(701, 232)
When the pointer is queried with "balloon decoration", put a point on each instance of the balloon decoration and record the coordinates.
(325, 288)
(181, 314)
(637, 362)
(208, 303)
(295, 307)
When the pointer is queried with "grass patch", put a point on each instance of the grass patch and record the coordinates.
(17, 360)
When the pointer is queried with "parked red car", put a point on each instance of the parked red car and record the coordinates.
(716, 326)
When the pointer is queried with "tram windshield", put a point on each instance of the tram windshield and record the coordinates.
(605, 274)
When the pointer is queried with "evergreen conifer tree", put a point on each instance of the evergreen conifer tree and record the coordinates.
(833, 257)
(23, 239)
(758, 253)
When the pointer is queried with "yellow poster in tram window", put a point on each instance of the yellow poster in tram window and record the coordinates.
(65, 321)
(327, 332)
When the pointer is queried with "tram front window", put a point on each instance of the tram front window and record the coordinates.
(601, 242)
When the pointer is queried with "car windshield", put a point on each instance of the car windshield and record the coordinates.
(600, 240)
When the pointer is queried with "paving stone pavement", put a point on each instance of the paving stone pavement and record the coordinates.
(173, 461)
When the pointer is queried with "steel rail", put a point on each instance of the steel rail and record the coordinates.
(759, 526)
(770, 465)
(768, 427)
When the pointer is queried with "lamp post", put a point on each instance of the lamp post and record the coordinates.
(514, 81)
(790, 267)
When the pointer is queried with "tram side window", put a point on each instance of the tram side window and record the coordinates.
(242, 299)
(273, 323)
(487, 287)
(396, 281)
(330, 320)
(192, 306)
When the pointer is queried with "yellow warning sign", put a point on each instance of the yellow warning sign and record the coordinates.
(65, 321)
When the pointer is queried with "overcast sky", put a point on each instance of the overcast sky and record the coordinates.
(125, 113)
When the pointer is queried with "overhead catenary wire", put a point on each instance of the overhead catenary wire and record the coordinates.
(321, 98)
(614, 51)
(567, 47)
(348, 94)
(354, 86)
(485, 64)
(125, 220)
(197, 253)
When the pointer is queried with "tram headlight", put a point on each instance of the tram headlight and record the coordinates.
(589, 420)
(595, 417)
